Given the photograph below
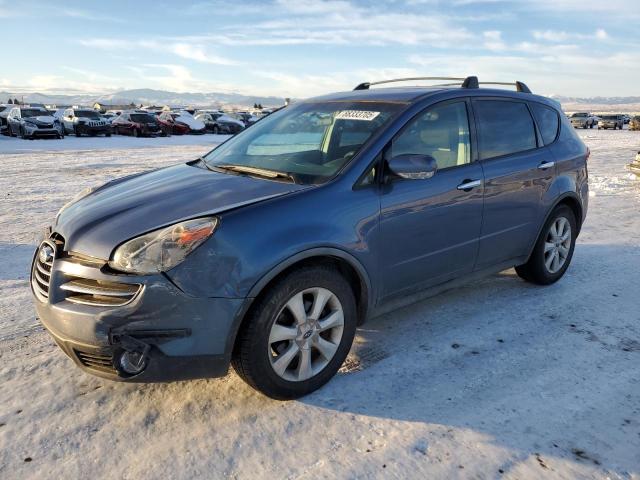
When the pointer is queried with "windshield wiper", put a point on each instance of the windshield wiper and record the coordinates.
(259, 172)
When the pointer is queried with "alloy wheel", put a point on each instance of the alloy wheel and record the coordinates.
(557, 245)
(306, 334)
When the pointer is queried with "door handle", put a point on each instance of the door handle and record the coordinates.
(546, 165)
(469, 184)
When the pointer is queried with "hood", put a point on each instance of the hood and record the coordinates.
(128, 207)
(227, 119)
(191, 122)
(40, 119)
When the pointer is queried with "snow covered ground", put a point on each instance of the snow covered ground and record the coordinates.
(499, 379)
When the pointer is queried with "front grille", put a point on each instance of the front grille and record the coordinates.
(102, 362)
(99, 293)
(42, 267)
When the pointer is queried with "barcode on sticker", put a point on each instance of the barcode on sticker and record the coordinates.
(357, 115)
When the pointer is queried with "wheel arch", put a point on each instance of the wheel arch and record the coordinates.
(345, 263)
(569, 199)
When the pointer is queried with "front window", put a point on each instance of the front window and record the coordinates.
(88, 114)
(33, 112)
(142, 118)
(309, 142)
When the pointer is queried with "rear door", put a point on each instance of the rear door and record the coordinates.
(430, 227)
(518, 171)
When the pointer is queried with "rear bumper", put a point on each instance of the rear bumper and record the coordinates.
(187, 337)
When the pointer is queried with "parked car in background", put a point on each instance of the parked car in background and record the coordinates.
(246, 118)
(220, 123)
(137, 124)
(267, 252)
(196, 126)
(85, 121)
(626, 119)
(108, 117)
(4, 111)
(634, 124)
(33, 122)
(170, 121)
(610, 121)
(582, 120)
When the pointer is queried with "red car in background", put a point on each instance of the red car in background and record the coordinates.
(137, 124)
(168, 121)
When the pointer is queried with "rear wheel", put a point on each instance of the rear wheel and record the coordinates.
(216, 130)
(298, 334)
(136, 133)
(553, 251)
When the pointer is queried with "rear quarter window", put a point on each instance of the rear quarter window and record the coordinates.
(505, 128)
(547, 120)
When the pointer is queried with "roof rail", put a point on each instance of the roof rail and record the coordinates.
(468, 82)
(520, 86)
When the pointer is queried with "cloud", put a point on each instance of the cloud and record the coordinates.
(562, 36)
(493, 40)
(183, 49)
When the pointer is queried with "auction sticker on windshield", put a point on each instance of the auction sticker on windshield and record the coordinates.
(357, 115)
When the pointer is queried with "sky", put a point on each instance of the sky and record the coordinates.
(576, 48)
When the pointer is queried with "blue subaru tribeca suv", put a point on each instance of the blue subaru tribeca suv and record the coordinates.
(268, 251)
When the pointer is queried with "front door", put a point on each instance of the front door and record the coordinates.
(430, 227)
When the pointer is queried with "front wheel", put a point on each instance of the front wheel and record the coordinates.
(553, 251)
(298, 334)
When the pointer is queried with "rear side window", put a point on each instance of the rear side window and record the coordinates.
(504, 128)
(547, 120)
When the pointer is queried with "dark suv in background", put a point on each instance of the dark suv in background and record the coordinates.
(268, 251)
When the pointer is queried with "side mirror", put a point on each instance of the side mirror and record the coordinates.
(413, 167)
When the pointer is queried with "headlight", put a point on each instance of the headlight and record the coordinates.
(162, 249)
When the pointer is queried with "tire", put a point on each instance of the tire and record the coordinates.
(256, 353)
(23, 135)
(538, 269)
(76, 132)
(107, 134)
(10, 131)
(215, 130)
(136, 133)
(591, 126)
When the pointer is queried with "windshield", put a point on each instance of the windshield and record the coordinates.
(142, 118)
(310, 142)
(579, 115)
(88, 114)
(33, 112)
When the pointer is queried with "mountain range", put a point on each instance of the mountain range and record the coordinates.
(146, 96)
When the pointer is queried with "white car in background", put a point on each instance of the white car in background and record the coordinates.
(32, 122)
(5, 108)
(196, 126)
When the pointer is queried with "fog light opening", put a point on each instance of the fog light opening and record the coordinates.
(132, 363)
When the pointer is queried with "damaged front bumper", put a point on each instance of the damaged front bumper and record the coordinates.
(127, 327)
